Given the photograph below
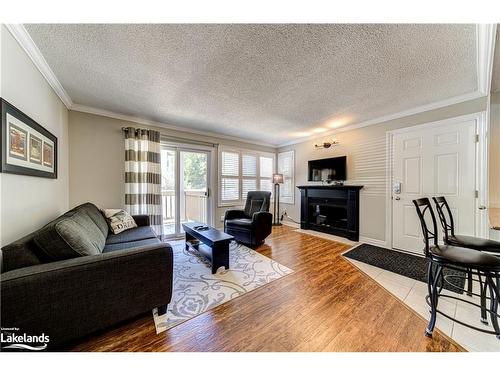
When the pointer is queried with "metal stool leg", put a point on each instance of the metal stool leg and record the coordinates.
(498, 289)
(440, 284)
(494, 298)
(469, 282)
(432, 285)
(482, 291)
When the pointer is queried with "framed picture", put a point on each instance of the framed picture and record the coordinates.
(26, 147)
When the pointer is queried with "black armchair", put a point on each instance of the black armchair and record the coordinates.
(253, 224)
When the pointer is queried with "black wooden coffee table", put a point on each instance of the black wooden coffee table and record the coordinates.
(214, 244)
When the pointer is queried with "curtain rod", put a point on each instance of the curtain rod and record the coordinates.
(173, 138)
(166, 137)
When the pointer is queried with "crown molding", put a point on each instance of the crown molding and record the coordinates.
(28, 45)
(139, 120)
(486, 35)
(485, 47)
(393, 116)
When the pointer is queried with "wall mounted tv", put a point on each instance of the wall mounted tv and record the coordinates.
(331, 169)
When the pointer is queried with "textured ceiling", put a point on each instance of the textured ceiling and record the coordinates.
(495, 79)
(267, 83)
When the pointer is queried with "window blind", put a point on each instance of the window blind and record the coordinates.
(286, 163)
(230, 163)
(243, 171)
(249, 165)
(266, 167)
(230, 189)
(248, 185)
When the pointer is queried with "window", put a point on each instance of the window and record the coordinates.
(266, 173)
(286, 162)
(230, 182)
(248, 185)
(242, 171)
(249, 173)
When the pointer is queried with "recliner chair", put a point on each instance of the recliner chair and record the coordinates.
(253, 224)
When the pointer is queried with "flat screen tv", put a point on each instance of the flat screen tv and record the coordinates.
(331, 169)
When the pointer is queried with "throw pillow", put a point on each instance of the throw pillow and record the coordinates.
(119, 220)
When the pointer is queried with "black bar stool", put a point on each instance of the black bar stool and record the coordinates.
(486, 266)
(450, 238)
(476, 243)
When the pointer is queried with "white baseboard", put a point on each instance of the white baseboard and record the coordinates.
(327, 236)
(374, 242)
(290, 224)
(368, 240)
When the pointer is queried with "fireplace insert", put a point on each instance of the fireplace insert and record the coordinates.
(331, 209)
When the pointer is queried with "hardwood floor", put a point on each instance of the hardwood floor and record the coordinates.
(327, 304)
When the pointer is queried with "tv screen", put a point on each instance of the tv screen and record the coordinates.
(331, 169)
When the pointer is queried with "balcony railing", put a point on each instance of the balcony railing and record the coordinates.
(193, 206)
(168, 205)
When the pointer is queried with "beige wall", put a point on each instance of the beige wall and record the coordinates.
(97, 165)
(97, 159)
(494, 147)
(365, 147)
(30, 202)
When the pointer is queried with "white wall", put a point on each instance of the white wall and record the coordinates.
(365, 150)
(494, 147)
(27, 202)
(494, 160)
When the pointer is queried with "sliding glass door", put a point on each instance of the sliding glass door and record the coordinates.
(185, 187)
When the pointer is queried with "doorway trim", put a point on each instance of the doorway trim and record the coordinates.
(481, 182)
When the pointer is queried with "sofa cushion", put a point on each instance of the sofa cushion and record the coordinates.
(21, 253)
(130, 245)
(71, 235)
(246, 223)
(96, 215)
(134, 234)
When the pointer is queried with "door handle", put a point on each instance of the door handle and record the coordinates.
(397, 198)
(482, 207)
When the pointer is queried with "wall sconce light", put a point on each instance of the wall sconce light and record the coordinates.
(327, 144)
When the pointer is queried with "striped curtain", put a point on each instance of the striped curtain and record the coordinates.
(143, 175)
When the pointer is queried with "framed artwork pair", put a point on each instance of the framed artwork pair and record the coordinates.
(26, 147)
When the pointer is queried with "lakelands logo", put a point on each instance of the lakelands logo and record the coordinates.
(10, 338)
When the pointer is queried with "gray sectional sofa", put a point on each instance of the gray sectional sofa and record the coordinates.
(73, 277)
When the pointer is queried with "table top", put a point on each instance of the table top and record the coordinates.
(211, 234)
(494, 218)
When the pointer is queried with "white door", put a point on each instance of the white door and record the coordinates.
(435, 160)
(185, 188)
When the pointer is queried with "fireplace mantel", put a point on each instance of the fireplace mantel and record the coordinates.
(335, 187)
(332, 209)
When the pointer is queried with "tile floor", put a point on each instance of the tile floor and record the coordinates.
(413, 293)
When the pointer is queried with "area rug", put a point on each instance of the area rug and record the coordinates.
(404, 264)
(196, 290)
